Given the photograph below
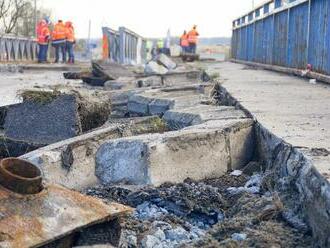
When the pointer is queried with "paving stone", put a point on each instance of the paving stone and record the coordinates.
(139, 105)
(160, 106)
(166, 61)
(154, 68)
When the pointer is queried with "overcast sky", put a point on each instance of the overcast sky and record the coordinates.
(150, 18)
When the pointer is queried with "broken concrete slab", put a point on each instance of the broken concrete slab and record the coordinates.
(94, 81)
(76, 75)
(113, 85)
(153, 67)
(166, 61)
(151, 81)
(43, 123)
(51, 159)
(175, 156)
(177, 120)
(47, 117)
(110, 70)
(71, 162)
(183, 117)
(139, 105)
(160, 106)
(111, 155)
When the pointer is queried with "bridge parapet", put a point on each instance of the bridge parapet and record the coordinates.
(17, 49)
(123, 46)
(289, 33)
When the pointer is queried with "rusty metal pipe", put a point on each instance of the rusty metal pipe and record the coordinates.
(20, 176)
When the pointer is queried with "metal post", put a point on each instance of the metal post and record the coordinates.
(308, 30)
(122, 45)
(89, 39)
(35, 18)
(287, 40)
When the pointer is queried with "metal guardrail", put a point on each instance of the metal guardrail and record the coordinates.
(289, 33)
(123, 46)
(17, 49)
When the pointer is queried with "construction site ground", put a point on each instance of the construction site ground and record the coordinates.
(243, 207)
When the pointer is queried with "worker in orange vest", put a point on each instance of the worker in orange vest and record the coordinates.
(184, 42)
(43, 34)
(193, 39)
(59, 41)
(70, 41)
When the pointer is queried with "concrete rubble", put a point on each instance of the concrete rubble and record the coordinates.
(193, 165)
(46, 117)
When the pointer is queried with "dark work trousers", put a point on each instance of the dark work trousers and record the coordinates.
(192, 48)
(70, 51)
(60, 47)
(42, 55)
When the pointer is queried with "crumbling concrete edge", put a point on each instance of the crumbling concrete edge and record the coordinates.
(291, 71)
(301, 187)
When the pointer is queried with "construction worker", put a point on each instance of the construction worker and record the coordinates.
(43, 34)
(193, 39)
(184, 42)
(160, 46)
(59, 41)
(70, 41)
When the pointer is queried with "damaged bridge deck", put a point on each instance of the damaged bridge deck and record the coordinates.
(288, 106)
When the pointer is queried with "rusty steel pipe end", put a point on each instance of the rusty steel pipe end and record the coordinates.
(20, 176)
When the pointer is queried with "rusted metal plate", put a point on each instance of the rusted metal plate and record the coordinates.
(36, 220)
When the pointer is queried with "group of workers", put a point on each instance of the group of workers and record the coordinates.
(62, 39)
(188, 41)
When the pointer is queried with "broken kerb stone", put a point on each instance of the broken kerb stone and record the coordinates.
(113, 85)
(166, 61)
(110, 70)
(177, 120)
(169, 157)
(122, 160)
(139, 105)
(154, 68)
(160, 106)
(149, 81)
(43, 122)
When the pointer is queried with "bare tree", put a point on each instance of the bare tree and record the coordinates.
(18, 17)
(10, 13)
(26, 23)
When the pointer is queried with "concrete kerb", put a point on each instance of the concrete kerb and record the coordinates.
(302, 188)
(291, 71)
(79, 152)
(176, 155)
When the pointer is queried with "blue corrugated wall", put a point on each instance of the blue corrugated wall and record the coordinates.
(292, 36)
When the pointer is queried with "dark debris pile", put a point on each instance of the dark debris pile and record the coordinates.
(230, 211)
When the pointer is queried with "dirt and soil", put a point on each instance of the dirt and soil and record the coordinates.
(230, 211)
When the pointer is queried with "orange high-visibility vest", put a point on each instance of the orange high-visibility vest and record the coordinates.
(43, 35)
(59, 32)
(193, 36)
(69, 32)
(184, 40)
